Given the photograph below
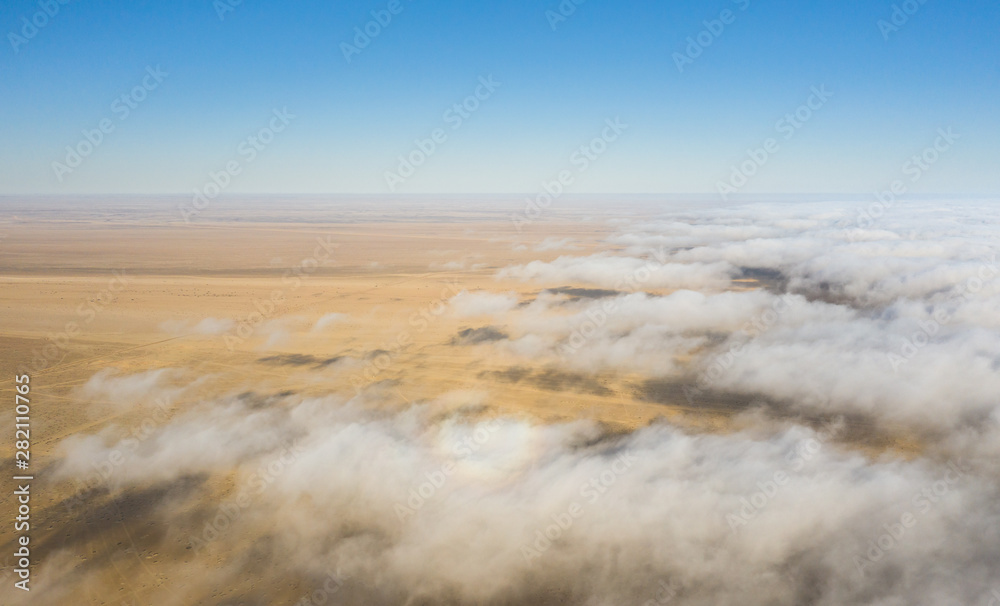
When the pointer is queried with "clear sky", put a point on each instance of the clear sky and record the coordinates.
(223, 71)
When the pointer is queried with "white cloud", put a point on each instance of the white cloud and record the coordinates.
(206, 326)
(424, 507)
(470, 304)
(556, 244)
(329, 320)
(620, 273)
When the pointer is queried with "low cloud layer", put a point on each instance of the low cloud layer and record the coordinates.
(427, 505)
(894, 319)
(808, 325)
(620, 272)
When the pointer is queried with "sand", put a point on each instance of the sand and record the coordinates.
(237, 300)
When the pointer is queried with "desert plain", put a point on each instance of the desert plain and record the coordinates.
(150, 341)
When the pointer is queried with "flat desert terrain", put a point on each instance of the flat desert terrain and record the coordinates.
(186, 379)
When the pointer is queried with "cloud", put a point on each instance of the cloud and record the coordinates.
(895, 322)
(608, 271)
(555, 244)
(214, 326)
(329, 320)
(425, 503)
(277, 332)
(471, 304)
(110, 389)
(851, 364)
(630, 332)
(458, 265)
(207, 326)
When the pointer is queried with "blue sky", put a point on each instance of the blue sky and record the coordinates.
(558, 83)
